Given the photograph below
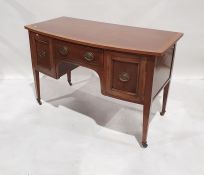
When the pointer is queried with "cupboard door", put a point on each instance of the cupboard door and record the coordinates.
(125, 76)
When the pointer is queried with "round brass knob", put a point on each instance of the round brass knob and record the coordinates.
(89, 56)
(124, 77)
(63, 50)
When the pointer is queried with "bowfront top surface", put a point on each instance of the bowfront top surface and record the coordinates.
(108, 36)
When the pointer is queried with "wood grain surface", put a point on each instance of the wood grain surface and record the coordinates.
(108, 36)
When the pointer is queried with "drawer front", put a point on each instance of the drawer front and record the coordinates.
(125, 76)
(78, 53)
(41, 48)
(42, 51)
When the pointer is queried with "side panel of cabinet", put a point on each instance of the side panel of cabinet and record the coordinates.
(42, 54)
(125, 76)
(162, 71)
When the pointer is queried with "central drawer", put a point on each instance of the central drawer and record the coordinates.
(78, 53)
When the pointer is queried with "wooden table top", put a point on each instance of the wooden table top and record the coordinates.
(108, 36)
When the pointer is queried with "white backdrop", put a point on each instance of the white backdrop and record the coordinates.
(178, 15)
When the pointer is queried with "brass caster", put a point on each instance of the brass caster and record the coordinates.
(162, 113)
(144, 144)
(39, 101)
(70, 83)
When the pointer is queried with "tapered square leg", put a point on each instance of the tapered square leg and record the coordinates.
(148, 98)
(37, 85)
(69, 77)
(165, 96)
(146, 115)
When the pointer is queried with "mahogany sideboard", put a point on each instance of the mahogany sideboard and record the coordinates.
(134, 64)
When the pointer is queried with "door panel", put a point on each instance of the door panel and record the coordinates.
(125, 76)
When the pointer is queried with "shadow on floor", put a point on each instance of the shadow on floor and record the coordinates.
(84, 97)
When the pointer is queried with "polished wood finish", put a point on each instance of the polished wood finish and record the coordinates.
(42, 55)
(78, 53)
(37, 85)
(134, 64)
(148, 97)
(108, 36)
(167, 84)
(162, 71)
(165, 95)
